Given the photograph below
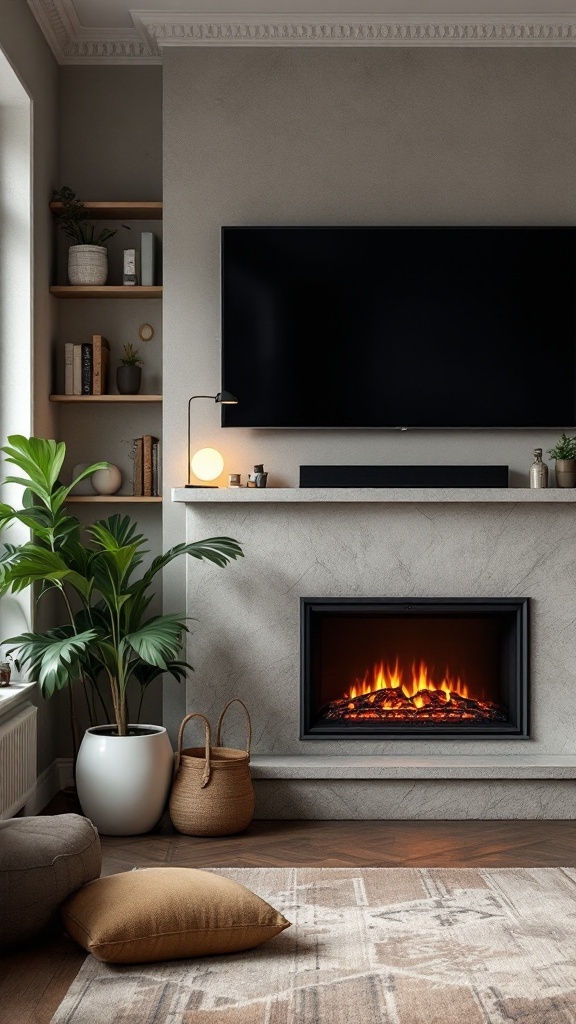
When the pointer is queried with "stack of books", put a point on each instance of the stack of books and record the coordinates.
(146, 456)
(86, 367)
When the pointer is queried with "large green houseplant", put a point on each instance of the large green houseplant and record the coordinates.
(106, 638)
(105, 632)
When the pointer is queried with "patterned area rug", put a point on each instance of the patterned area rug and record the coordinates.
(368, 946)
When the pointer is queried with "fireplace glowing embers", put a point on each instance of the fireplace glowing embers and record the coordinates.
(391, 695)
(423, 667)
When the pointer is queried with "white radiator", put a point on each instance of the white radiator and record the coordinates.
(17, 760)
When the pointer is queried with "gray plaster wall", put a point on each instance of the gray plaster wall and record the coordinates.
(366, 136)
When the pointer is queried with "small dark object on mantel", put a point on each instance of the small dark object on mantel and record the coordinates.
(5, 673)
(258, 478)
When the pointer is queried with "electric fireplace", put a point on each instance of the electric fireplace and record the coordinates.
(423, 667)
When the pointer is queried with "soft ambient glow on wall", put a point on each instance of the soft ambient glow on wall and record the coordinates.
(207, 459)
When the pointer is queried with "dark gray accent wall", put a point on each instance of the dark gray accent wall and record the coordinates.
(111, 150)
(111, 131)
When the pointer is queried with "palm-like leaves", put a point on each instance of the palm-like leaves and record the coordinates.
(110, 634)
(55, 661)
(158, 641)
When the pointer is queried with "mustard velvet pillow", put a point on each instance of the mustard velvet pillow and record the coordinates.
(167, 914)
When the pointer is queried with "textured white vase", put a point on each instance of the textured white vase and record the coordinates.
(87, 264)
(123, 781)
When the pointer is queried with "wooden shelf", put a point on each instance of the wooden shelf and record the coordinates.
(106, 291)
(105, 398)
(118, 211)
(107, 499)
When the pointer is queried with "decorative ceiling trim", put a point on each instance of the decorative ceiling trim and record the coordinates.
(356, 30)
(72, 43)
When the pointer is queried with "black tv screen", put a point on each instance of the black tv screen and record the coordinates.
(399, 327)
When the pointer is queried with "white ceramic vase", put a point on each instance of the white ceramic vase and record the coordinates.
(123, 781)
(87, 264)
(106, 481)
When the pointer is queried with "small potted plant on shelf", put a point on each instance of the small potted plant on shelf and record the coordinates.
(564, 453)
(88, 257)
(6, 669)
(129, 373)
(107, 642)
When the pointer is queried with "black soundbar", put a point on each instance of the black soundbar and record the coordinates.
(403, 476)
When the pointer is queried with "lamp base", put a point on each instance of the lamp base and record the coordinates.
(202, 486)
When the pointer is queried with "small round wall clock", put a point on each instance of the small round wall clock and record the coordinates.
(145, 332)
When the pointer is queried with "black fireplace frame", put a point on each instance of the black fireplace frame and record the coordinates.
(517, 609)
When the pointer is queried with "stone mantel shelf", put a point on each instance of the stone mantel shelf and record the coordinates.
(382, 495)
(449, 766)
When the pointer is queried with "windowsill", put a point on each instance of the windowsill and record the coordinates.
(15, 694)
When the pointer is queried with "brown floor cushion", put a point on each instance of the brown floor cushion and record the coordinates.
(167, 914)
(42, 860)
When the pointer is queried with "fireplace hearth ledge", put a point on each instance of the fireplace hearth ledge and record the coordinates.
(332, 767)
(381, 495)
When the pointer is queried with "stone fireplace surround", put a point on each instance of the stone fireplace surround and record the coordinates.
(401, 543)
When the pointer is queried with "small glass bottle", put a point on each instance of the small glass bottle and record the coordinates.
(538, 470)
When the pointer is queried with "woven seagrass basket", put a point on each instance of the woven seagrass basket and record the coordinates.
(87, 264)
(212, 792)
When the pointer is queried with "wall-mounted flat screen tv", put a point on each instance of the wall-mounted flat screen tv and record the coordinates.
(399, 327)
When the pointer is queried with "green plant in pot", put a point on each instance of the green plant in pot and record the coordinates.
(106, 638)
(564, 454)
(129, 373)
(88, 256)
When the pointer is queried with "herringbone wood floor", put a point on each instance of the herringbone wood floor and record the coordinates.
(34, 981)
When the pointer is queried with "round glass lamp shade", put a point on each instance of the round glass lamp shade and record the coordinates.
(207, 464)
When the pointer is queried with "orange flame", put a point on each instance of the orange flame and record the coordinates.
(385, 677)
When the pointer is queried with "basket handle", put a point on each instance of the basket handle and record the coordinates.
(235, 700)
(207, 767)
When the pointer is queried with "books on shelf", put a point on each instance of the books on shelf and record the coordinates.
(86, 382)
(146, 457)
(137, 479)
(77, 370)
(86, 367)
(68, 368)
(101, 359)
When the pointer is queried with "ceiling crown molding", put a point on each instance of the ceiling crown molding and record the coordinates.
(355, 30)
(72, 43)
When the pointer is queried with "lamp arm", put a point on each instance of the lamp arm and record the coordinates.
(189, 407)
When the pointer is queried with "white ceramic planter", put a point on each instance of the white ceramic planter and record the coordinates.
(123, 781)
(87, 264)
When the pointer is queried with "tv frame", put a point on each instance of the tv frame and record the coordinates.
(379, 227)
